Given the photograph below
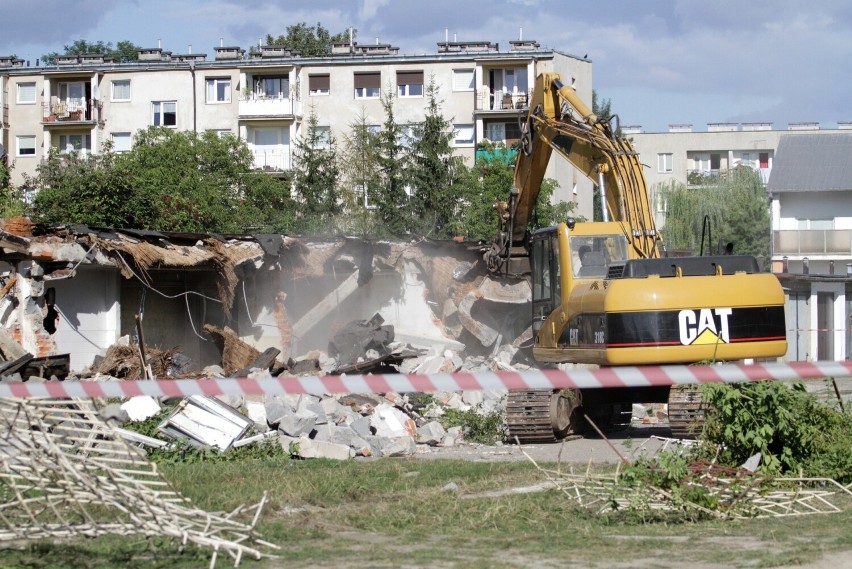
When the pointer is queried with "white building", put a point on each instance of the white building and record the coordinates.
(811, 193)
(264, 98)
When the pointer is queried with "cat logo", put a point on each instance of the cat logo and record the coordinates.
(704, 326)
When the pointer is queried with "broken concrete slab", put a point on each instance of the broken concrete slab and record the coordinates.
(308, 448)
(432, 433)
(141, 407)
(297, 423)
(388, 421)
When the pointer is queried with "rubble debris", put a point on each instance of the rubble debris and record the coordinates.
(122, 362)
(236, 354)
(140, 408)
(61, 492)
(359, 336)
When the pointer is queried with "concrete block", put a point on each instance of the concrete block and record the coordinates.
(360, 425)
(394, 446)
(297, 423)
(321, 449)
(348, 437)
(389, 421)
(311, 404)
(431, 433)
(332, 408)
(274, 410)
(256, 411)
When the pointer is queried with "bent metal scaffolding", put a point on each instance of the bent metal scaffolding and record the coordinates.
(66, 473)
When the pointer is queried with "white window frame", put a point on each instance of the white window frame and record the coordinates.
(157, 109)
(116, 99)
(21, 101)
(405, 89)
(222, 132)
(369, 92)
(19, 147)
(217, 87)
(460, 81)
(124, 136)
(463, 129)
(665, 161)
(85, 144)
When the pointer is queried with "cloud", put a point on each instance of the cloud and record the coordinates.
(49, 21)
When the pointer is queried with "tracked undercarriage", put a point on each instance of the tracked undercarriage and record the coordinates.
(545, 415)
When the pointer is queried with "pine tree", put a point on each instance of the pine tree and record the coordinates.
(315, 176)
(434, 170)
(392, 201)
(361, 176)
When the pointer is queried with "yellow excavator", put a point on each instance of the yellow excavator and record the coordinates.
(604, 293)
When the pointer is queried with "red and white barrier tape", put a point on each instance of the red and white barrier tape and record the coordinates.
(646, 376)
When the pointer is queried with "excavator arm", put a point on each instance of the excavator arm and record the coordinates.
(559, 121)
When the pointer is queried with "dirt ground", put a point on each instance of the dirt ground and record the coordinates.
(629, 444)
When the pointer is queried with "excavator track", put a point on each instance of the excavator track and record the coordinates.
(687, 412)
(539, 415)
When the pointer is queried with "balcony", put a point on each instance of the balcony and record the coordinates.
(698, 178)
(827, 242)
(71, 112)
(271, 160)
(253, 106)
(501, 100)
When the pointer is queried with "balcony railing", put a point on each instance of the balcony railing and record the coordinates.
(712, 177)
(501, 100)
(812, 242)
(271, 161)
(252, 105)
(74, 111)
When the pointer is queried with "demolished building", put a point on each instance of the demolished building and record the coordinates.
(76, 290)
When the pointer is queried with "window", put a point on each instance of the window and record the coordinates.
(368, 85)
(409, 83)
(219, 90)
(323, 137)
(319, 84)
(26, 145)
(81, 143)
(463, 135)
(664, 163)
(121, 90)
(763, 157)
(165, 113)
(121, 142)
(222, 132)
(26, 93)
(272, 87)
(463, 79)
(73, 93)
(715, 161)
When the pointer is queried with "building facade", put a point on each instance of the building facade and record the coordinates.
(264, 97)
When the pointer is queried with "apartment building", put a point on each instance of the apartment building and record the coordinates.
(264, 96)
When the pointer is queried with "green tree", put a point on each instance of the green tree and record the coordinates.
(169, 181)
(123, 51)
(361, 175)
(96, 190)
(393, 208)
(486, 183)
(434, 170)
(309, 41)
(735, 205)
(11, 202)
(315, 177)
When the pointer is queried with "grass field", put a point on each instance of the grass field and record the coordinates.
(397, 513)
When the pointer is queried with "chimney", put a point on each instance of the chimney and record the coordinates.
(521, 34)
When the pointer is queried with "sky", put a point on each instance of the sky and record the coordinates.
(658, 62)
